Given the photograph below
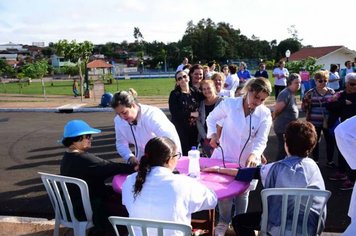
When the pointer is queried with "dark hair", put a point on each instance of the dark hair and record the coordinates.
(69, 141)
(193, 68)
(333, 68)
(211, 63)
(232, 68)
(292, 77)
(300, 138)
(224, 66)
(158, 151)
(125, 98)
(187, 66)
(346, 62)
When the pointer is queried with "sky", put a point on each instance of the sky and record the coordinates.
(318, 22)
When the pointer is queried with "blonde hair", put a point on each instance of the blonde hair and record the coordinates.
(208, 82)
(320, 74)
(215, 76)
(257, 85)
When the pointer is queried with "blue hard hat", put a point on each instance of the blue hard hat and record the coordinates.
(76, 128)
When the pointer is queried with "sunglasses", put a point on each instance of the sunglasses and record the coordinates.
(322, 81)
(181, 77)
(352, 84)
(178, 155)
(87, 136)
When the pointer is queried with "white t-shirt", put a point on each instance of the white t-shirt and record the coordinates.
(231, 80)
(281, 81)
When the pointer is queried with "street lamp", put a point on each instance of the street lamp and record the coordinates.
(287, 54)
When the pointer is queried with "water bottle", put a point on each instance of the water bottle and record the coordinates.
(194, 166)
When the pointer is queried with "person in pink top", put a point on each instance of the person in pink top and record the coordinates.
(305, 76)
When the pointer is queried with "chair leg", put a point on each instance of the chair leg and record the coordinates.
(56, 228)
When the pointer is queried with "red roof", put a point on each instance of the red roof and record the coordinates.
(316, 52)
(98, 64)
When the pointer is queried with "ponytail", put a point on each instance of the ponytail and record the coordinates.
(143, 169)
(158, 150)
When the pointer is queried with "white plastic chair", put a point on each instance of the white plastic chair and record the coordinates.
(145, 226)
(56, 187)
(298, 197)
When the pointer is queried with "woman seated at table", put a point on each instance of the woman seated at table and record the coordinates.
(79, 163)
(155, 193)
(297, 170)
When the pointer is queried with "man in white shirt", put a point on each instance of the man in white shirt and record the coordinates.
(184, 62)
(136, 124)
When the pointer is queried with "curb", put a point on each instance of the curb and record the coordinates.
(12, 225)
(65, 109)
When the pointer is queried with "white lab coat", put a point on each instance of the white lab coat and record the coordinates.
(236, 128)
(151, 122)
(345, 134)
(167, 196)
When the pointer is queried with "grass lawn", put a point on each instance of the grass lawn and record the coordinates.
(144, 87)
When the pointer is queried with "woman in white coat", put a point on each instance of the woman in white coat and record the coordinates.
(246, 125)
(345, 135)
(155, 193)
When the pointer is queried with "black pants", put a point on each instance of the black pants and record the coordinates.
(278, 89)
(245, 224)
(330, 144)
(281, 151)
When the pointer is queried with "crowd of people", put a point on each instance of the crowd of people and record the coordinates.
(224, 114)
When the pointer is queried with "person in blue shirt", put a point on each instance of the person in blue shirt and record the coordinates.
(243, 73)
(261, 72)
(297, 170)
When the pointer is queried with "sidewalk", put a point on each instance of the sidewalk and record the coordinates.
(63, 103)
(18, 102)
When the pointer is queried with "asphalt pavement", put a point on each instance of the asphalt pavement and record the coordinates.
(29, 144)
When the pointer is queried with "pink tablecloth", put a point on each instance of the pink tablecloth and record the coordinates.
(224, 186)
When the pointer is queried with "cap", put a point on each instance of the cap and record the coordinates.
(76, 128)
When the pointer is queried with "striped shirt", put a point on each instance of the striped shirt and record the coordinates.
(314, 104)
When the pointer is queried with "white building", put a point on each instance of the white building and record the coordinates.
(325, 56)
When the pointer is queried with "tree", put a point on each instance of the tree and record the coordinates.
(76, 52)
(137, 34)
(308, 64)
(291, 44)
(37, 70)
(292, 30)
(6, 69)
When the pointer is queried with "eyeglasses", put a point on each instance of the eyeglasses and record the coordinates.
(181, 77)
(322, 81)
(87, 136)
(178, 155)
(352, 84)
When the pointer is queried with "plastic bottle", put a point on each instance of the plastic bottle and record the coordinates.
(194, 166)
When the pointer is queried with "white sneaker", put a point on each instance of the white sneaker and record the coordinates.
(221, 229)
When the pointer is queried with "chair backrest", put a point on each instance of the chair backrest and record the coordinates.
(57, 189)
(144, 225)
(293, 203)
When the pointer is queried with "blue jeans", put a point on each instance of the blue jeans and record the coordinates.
(225, 207)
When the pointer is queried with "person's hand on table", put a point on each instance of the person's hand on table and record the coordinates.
(214, 169)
